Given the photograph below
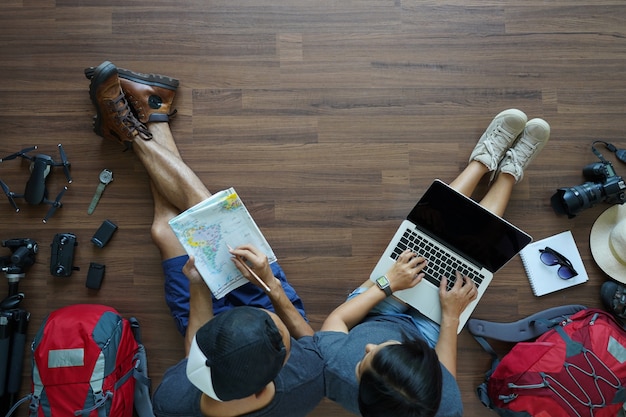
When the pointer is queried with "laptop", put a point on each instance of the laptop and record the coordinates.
(453, 232)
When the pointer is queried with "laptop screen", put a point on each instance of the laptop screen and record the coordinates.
(465, 226)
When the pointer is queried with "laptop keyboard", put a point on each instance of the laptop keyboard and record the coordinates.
(440, 262)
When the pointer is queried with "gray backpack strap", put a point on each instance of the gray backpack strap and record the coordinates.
(143, 399)
(527, 328)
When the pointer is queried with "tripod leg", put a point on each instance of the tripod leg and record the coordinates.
(5, 343)
(17, 354)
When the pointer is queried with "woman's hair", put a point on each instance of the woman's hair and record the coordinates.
(404, 380)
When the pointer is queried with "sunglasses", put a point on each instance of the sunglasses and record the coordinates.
(551, 257)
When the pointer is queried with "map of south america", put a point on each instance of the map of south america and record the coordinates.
(206, 239)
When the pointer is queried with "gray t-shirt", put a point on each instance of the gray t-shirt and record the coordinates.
(299, 387)
(343, 351)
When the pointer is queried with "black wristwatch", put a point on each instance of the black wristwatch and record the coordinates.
(383, 284)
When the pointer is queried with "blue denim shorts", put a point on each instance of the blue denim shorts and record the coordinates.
(391, 306)
(177, 293)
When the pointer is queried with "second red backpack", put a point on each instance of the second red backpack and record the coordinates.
(576, 368)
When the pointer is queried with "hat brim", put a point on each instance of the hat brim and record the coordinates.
(198, 372)
(599, 242)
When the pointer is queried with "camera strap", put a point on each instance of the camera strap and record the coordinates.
(619, 153)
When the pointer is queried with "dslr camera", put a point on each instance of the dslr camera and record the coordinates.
(603, 185)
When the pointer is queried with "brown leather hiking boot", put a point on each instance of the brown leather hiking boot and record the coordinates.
(114, 119)
(149, 95)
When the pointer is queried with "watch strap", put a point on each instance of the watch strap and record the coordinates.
(386, 288)
(96, 198)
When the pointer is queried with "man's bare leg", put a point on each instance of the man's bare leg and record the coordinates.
(162, 234)
(164, 149)
(170, 175)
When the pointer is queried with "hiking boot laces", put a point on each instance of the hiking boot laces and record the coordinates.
(125, 119)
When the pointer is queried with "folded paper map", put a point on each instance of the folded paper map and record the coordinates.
(208, 228)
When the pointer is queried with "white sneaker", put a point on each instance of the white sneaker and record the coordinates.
(499, 136)
(535, 136)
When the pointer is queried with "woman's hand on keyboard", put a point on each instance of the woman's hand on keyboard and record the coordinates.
(454, 301)
(407, 271)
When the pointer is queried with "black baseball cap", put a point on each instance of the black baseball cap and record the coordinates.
(236, 354)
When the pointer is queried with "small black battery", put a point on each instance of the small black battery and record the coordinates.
(95, 275)
(104, 233)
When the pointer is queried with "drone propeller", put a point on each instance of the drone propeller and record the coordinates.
(55, 205)
(6, 190)
(20, 153)
(66, 164)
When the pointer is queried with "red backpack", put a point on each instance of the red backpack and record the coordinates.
(576, 367)
(87, 360)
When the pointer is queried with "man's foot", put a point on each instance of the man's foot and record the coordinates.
(499, 136)
(149, 95)
(114, 120)
(535, 136)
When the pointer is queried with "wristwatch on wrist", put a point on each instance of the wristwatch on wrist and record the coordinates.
(106, 176)
(383, 284)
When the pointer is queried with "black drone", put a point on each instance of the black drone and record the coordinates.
(36, 192)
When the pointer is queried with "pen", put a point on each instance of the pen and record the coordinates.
(263, 284)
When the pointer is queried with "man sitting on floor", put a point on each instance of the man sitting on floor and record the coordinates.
(248, 353)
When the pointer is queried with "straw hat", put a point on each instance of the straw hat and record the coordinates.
(608, 242)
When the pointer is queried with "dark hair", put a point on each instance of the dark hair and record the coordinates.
(404, 380)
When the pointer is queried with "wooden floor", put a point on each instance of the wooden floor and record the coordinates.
(329, 117)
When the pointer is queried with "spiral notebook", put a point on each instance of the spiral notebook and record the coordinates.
(543, 278)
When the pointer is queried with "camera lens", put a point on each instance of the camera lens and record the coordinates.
(573, 200)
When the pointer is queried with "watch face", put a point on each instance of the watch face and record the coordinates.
(106, 176)
(382, 281)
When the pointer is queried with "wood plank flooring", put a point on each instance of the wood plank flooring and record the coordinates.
(329, 117)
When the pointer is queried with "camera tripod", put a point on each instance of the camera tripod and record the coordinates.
(13, 320)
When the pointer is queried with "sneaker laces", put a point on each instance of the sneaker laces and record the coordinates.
(490, 143)
(522, 152)
(518, 157)
(125, 118)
